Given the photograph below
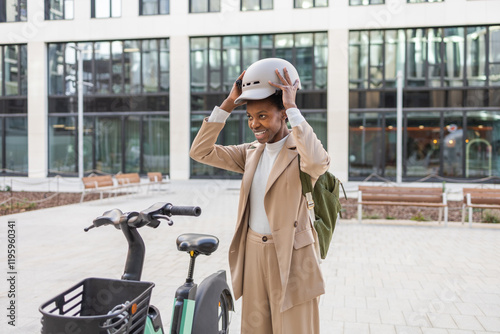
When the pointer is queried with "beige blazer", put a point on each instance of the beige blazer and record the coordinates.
(292, 231)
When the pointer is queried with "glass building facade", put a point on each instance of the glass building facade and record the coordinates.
(13, 109)
(217, 61)
(13, 10)
(451, 102)
(126, 104)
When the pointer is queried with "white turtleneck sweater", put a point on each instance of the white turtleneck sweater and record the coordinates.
(258, 218)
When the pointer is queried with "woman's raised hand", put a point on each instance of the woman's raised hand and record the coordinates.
(228, 104)
(288, 88)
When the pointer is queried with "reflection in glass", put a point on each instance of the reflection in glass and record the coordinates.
(365, 144)
(56, 69)
(150, 66)
(11, 64)
(88, 143)
(482, 144)
(15, 10)
(154, 7)
(214, 61)
(108, 153)
(365, 2)
(376, 58)
(422, 144)
(454, 50)
(71, 64)
(102, 67)
(231, 59)
(16, 144)
(284, 46)
(358, 59)
(476, 56)
(132, 144)
(416, 46)
(304, 58)
(62, 144)
(453, 144)
(310, 3)
(199, 62)
(116, 67)
(394, 55)
(204, 6)
(434, 57)
(132, 66)
(164, 65)
(156, 136)
(256, 4)
(59, 9)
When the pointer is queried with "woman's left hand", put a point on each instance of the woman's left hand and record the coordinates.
(289, 89)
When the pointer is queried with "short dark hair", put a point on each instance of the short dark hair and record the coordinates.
(277, 99)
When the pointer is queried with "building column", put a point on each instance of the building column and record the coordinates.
(37, 110)
(179, 108)
(338, 102)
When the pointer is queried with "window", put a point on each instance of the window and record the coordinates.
(59, 9)
(365, 2)
(13, 109)
(451, 97)
(154, 7)
(310, 3)
(248, 5)
(217, 61)
(204, 6)
(13, 10)
(111, 68)
(418, 1)
(106, 8)
(126, 106)
(13, 70)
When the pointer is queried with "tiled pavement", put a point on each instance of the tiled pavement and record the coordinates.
(381, 278)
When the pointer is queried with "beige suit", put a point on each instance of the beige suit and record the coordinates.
(293, 234)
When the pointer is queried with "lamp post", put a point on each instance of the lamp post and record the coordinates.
(80, 85)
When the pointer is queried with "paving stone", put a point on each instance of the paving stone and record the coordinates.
(403, 279)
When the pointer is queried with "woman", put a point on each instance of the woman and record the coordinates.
(273, 255)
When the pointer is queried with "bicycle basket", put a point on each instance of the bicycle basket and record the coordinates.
(98, 305)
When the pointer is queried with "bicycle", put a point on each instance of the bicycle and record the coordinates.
(112, 306)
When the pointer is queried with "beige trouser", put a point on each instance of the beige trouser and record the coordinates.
(262, 294)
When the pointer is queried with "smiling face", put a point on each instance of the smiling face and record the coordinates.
(266, 121)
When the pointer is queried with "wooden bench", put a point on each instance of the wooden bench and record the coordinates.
(97, 183)
(156, 178)
(128, 180)
(479, 198)
(403, 196)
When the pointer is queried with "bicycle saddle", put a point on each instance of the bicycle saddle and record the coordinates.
(201, 243)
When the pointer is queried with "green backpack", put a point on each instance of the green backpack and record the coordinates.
(324, 199)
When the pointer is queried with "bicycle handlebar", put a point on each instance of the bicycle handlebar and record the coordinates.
(149, 217)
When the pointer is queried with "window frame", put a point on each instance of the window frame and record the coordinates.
(19, 18)
(48, 9)
(158, 7)
(209, 2)
(260, 6)
(93, 10)
(313, 6)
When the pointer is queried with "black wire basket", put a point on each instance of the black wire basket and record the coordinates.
(98, 306)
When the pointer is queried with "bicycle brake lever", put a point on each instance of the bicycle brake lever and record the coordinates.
(169, 220)
(86, 229)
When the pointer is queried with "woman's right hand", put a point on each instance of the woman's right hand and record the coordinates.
(228, 104)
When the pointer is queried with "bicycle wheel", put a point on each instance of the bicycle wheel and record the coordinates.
(223, 314)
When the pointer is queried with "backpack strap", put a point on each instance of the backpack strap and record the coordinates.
(307, 187)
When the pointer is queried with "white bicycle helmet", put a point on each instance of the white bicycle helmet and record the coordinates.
(255, 84)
